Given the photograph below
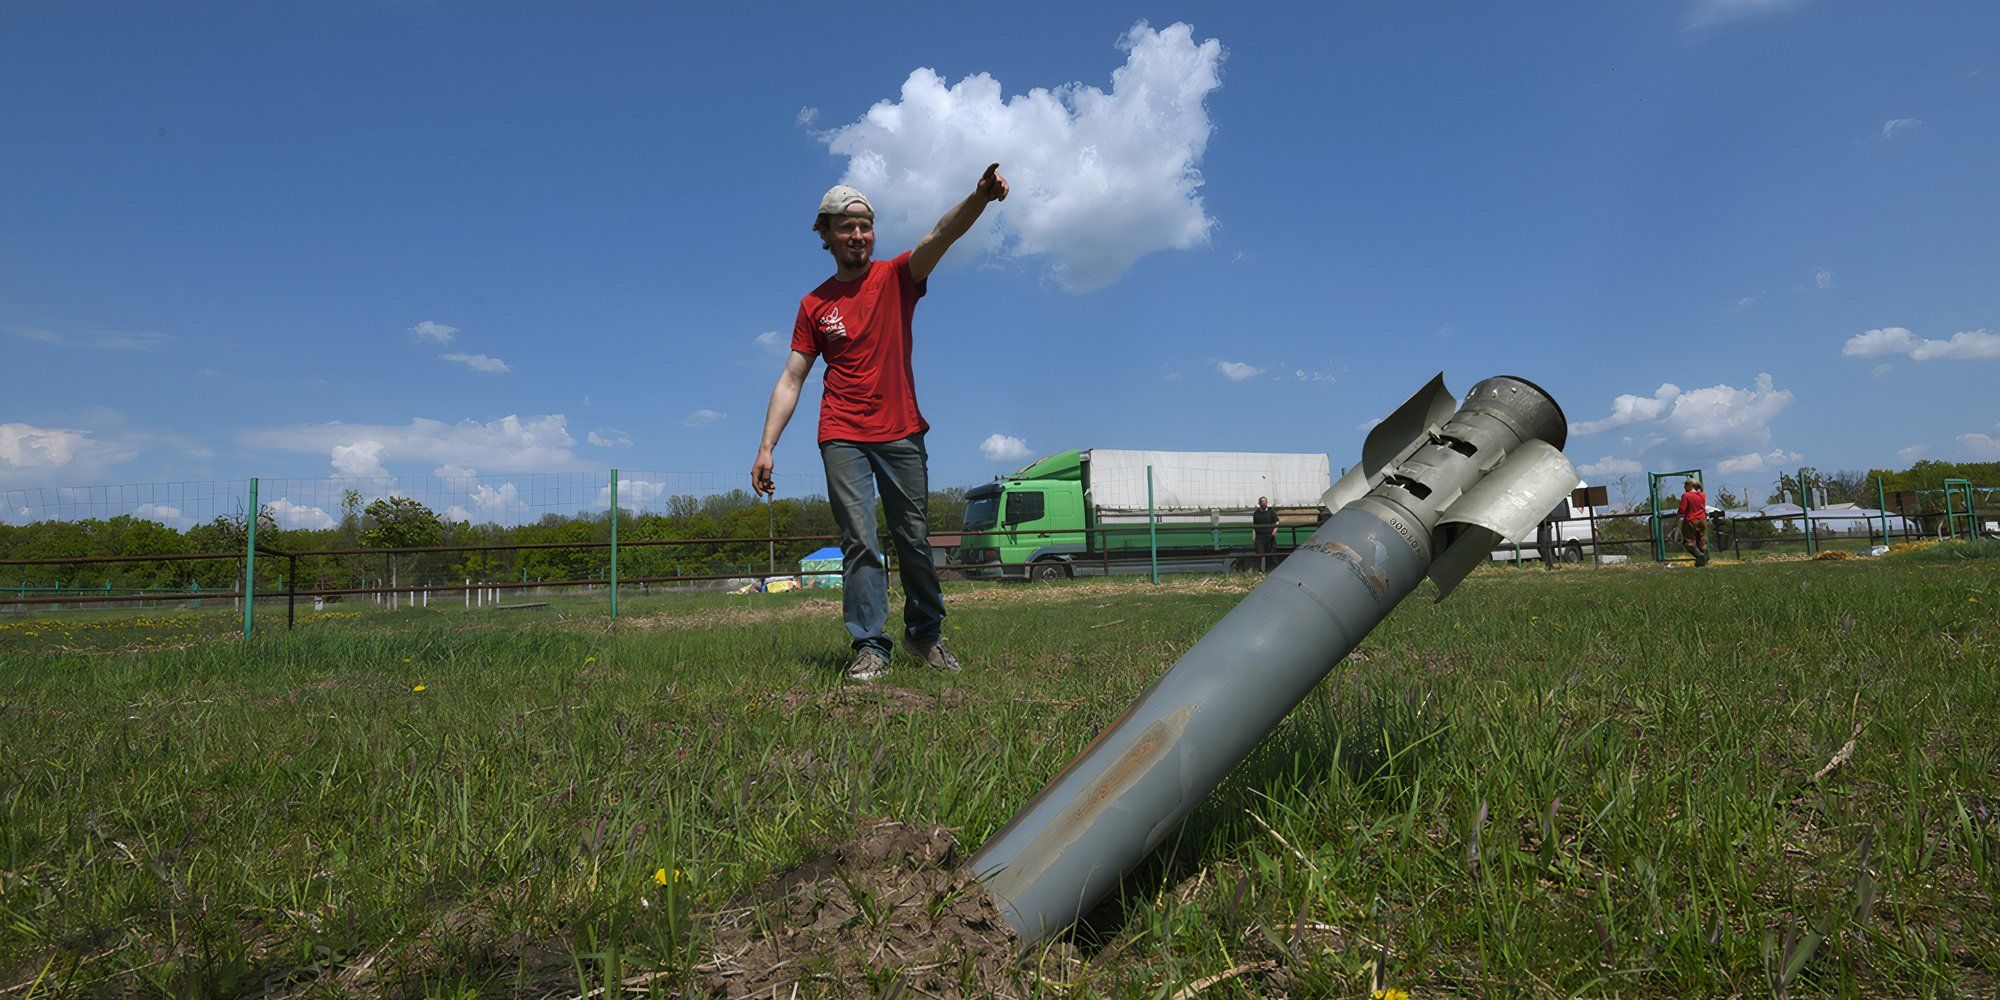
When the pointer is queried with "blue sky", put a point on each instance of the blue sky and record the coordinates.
(416, 239)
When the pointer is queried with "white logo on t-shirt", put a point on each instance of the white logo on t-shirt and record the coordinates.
(831, 325)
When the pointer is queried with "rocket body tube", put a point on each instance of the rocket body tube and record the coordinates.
(1131, 788)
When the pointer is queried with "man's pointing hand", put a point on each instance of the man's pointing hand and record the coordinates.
(992, 186)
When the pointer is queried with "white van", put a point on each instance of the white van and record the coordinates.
(1568, 531)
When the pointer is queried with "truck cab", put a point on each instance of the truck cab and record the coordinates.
(1033, 522)
(1092, 512)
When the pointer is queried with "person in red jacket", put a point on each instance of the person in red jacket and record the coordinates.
(1694, 521)
(871, 434)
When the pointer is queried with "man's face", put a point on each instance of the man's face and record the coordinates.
(851, 239)
(1263, 501)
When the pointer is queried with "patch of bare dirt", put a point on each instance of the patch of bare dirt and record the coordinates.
(886, 912)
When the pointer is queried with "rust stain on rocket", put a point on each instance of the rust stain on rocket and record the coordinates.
(1369, 576)
(1089, 802)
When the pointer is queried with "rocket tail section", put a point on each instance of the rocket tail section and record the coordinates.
(1392, 440)
(1510, 500)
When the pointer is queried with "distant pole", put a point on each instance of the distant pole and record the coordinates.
(1152, 526)
(1882, 503)
(250, 559)
(614, 544)
(1805, 510)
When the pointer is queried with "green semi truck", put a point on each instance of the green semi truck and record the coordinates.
(1099, 511)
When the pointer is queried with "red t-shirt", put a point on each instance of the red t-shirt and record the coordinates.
(862, 328)
(1694, 506)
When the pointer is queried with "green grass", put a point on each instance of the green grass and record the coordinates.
(1586, 781)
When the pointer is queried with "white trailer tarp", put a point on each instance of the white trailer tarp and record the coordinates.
(1205, 480)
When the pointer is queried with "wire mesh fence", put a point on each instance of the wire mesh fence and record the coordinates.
(502, 541)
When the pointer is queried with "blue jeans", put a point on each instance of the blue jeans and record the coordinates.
(854, 469)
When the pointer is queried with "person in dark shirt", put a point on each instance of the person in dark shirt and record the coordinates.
(1264, 518)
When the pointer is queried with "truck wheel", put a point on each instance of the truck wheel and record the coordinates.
(1048, 571)
(1573, 552)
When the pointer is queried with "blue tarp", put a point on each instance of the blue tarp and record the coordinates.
(821, 568)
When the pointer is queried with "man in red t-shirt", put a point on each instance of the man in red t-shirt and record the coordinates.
(1694, 521)
(871, 434)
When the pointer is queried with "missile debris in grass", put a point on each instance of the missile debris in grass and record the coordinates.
(1439, 485)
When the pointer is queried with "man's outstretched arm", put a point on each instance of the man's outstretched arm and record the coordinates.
(954, 223)
(784, 399)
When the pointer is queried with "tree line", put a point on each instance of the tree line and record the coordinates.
(738, 518)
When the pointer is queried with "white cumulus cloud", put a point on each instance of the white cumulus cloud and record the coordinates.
(1777, 458)
(167, 514)
(1609, 467)
(479, 363)
(702, 418)
(1098, 178)
(1004, 448)
(358, 460)
(1981, 445)
(1628, 409)
(450, 471)
(1676, 427)
(633, 494)
(539, 443)
(25, 446)
(605, 437)
(1822, 278)
(293, 515)
(33, 455)
(1237, 371)
(1722, 415)
(1966, 345)
(429, 332)
(490, 504)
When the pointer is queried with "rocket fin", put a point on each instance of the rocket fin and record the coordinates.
(1403, 431)
(1506, 503)
(1392, 440)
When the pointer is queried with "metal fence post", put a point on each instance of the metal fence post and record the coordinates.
(250, 559)
(1882, 502)
(1805, 510)
(1152, 526)
(614, 544)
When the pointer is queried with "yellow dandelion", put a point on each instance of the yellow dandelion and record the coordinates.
(406, 659)
(418, 689)
(1391, 993)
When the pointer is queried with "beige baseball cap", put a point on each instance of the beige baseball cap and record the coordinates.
(839, 199)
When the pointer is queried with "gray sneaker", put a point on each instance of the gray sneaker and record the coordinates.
(932, 653)
(868, 664)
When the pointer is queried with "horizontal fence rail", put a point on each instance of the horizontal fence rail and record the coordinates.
(242, 566)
